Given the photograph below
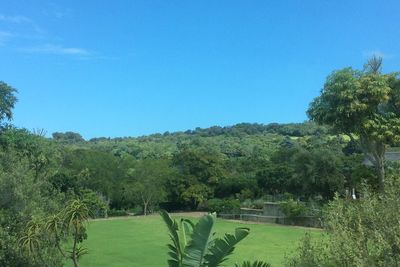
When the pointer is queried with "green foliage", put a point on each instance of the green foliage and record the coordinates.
(306, 171)
(309, 254)
(70, 222)
(187, 169)
(365, 232)
(7, 101)
(203, 249)
(362, 105)
(116, 213)
(293, 208)
(68, 137)
(147, 183)
(196, 194)
(253, 264)
(95, 202)
(229, 206)
(24, 195)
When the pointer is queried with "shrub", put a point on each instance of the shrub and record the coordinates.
(365, 232)
(247, 204)
(230, 206)
(116, 213)
(96, 203)
(293, 208)
(253, 204)
(258, 203)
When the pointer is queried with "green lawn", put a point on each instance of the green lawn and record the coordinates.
(141, 242)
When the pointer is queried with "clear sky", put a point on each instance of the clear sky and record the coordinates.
(128, 68)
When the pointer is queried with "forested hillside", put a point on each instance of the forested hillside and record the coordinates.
(182, 170)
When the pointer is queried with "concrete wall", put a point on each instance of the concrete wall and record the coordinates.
(271, 213)
(272, 209)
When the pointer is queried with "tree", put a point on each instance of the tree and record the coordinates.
(55, 230)
(74, 216)
(7, 101)
(195, 194)
(147, 187)
(68, 137)
(365, 106)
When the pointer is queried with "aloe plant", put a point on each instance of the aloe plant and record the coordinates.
(196, 245)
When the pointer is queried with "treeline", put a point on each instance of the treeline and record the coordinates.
(182, 171)
(237, 130)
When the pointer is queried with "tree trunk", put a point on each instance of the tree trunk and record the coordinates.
(74, 259)
(375, 151)
(379, 163)
(380, 167)
(145, 208)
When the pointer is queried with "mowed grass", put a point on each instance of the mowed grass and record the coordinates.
(141, 242)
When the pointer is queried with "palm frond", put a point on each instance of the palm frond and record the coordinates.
(223, 247)
(175, 249)
(200, 242)
(253, 264)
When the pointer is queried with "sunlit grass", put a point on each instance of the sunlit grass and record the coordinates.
(141, 241)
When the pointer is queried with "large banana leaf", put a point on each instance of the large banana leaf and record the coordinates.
(185, 231)
(176, 249)
(223, 247)
(202, 250)
(200, 242)
(253, 264)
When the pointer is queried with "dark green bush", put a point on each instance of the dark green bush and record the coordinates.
(362, 232)
(98, 206)
(253, 204)
(116, 213)
(293, 208)
(230, 206)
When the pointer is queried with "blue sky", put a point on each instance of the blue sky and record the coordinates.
(129, 68)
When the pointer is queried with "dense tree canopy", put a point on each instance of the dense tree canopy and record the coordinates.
(363, 105)
(7, 101)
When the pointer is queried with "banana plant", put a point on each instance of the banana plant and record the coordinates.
(253, 264)
(196, 245)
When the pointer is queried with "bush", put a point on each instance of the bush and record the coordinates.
(96, 203)
(137, 210)
(253, 204)
(293, 208)
(364, 232)
(117, 213)
(309, 254)
(229, 206)
(247, 204)
(258, 204)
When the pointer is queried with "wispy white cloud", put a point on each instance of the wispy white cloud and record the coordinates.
(57, 50)
(15, 19)
(377, 52)
(26, 31)
(5, 37)
(59, 12)
(20, 19)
